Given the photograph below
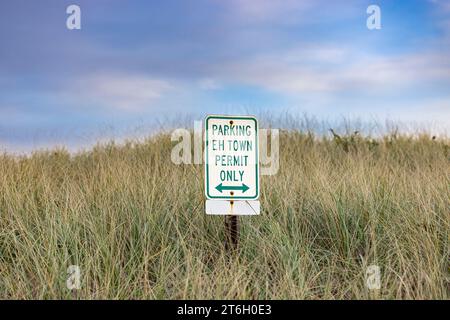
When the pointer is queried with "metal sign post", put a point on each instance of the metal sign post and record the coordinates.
(231, 170)
(231, 233)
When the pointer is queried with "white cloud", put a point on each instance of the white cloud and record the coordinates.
(327, 70)
(209, 84)
(119, 91)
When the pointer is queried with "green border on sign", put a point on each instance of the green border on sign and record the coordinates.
(256, 196)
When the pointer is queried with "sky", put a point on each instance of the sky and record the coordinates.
(136, 64)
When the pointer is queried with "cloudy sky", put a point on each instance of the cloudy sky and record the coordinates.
(137, 63)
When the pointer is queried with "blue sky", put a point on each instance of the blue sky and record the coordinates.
(137, 62)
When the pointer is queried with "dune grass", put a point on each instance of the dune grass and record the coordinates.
(135, 224)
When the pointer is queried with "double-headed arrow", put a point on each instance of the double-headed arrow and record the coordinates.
(242, 188)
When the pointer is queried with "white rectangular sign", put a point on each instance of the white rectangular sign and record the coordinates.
(231, 158)
(237, 208)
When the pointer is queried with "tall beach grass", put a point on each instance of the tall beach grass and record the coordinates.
(135, 223)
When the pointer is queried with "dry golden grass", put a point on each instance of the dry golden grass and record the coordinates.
(135, 223)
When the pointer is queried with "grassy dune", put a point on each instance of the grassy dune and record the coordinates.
(135, 223)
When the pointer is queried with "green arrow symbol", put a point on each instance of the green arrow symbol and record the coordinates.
(242, 188)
